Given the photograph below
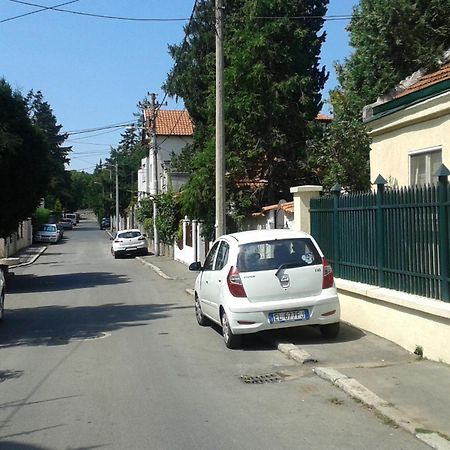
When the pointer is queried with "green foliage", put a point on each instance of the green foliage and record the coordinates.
(144, 214)
(24, 161)
(41, 216)
(272, 84)
(42, 116)
(391, 40)
(168, 217)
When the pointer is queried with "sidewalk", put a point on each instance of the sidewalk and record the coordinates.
(403, 389)
(26, 256)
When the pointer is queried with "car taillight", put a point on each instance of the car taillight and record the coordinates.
(118, 241)
(328, 279)
(141, 238)
(235, 283)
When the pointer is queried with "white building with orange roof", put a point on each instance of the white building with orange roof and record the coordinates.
(410, 129)
(174, 129)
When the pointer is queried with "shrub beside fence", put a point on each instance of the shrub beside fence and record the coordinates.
(396, 238)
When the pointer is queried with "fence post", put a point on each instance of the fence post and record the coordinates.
(442, 174)
(302, 200)
(379, 229)
(336, 192)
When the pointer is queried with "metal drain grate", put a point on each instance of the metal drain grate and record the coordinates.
(261, 379)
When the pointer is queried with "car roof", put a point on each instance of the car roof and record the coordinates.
(130, 229)
(245, 237)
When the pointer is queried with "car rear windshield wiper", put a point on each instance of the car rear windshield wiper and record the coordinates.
(287, 266)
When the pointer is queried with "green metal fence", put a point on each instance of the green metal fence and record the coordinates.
(396, 238)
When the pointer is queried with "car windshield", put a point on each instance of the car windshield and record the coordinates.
(270, 255)
(48, 228)
(129, 234)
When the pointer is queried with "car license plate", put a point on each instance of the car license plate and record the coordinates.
(288, 316)
(129, 249)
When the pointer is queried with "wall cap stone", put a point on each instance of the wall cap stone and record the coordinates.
(307, 188)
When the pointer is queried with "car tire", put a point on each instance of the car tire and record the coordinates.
(331, 330)
(231, 340)
(2, 305)
(201, 318)
(116, 256)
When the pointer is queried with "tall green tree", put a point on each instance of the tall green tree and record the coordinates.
(24, 161)
(41, 115)
(273, 78)
(391, 40)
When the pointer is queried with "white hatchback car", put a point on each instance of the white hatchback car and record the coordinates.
(47, 233)
(129, 242)
(263, 280)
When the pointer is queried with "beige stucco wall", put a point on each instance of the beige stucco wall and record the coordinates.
(422, 126)
(408, 320)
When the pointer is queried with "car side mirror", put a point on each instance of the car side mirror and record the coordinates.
(144, 235)
(195, 266)
(111, 238)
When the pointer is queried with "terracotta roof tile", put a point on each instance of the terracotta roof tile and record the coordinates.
(171, 122)
(428, 80)
(323, 118)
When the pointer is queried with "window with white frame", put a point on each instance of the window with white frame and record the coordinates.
(423, 165)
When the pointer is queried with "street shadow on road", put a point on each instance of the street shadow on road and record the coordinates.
(63, 282)
(60, 325)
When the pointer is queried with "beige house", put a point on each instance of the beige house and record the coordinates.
(410, 129)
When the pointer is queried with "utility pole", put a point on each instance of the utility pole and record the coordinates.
(117, 198)
(154, 160)
(220, 126)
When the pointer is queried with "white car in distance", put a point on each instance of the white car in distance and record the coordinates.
(260, 280)
(129, 242)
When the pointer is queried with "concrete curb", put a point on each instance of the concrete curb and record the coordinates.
(370, 399)
(155, 268)
(28, 263)
(297, 354)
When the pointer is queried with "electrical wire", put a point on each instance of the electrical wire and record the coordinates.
(103, 16)
(106, 127)
(171, 19)
(43, 8)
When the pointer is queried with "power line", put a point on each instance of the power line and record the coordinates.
(103, 16)
(106, 127)
(172, 19)
(42, 8)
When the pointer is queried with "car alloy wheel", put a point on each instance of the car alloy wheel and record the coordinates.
(231, 340)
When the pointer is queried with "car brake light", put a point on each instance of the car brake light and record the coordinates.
(328, 278)
(118, 241)
(141, 238)
(235, 283)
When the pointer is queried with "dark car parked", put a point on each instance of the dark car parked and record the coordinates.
(105, 223)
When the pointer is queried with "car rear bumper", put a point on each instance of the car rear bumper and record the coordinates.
(252, 320)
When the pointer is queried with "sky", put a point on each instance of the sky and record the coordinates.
(93, 71)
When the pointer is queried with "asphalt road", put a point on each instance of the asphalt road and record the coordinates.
(104, 353)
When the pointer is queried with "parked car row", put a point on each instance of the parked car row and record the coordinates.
(54, 232)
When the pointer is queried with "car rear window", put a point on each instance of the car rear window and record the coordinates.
(129, 234)
(270, 255)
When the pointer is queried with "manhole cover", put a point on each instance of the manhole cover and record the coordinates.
(261, 379)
